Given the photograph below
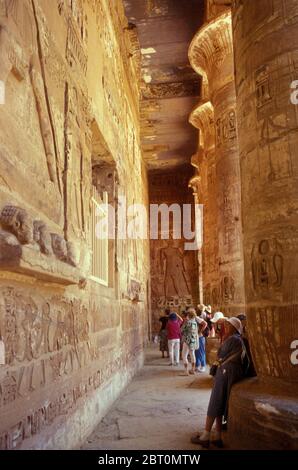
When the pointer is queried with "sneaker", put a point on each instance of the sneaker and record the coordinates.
(176, 364)
(202, 369)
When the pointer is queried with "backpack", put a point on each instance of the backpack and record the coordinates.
(206, 332)
(208, 328)
(248, 366)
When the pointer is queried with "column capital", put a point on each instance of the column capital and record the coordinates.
(215, 7)
(202, 117)
(211, 50)
(194, 184)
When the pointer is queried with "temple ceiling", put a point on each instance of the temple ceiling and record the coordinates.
(170, 88)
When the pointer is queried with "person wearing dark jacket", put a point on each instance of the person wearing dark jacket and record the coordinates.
(163, 337)
(250, 372)
(231, 357)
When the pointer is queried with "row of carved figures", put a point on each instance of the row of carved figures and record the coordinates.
(17, 221)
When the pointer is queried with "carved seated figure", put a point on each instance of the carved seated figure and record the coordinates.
(19, 228)
(134, 290)
(10, 248)
(42, 237)
(17, 221)
(59, 247)
(72, 254)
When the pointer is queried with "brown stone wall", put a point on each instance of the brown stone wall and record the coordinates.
(174, 270)
(71, 102)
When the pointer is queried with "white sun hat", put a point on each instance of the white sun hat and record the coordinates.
(217, 316)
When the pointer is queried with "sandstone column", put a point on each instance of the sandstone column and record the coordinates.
(266, 59)
(203, 184)
(211, 55)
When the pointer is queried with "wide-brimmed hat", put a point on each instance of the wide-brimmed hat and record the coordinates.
(202, 307)
(208, 308)
(217, 316)
(236, 323)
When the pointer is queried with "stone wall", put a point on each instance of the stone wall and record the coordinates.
(70, 70)
(174, 270)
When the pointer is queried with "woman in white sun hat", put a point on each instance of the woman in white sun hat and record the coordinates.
(219, 322)
(230, 369)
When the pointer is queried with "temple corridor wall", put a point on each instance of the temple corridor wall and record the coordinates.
(70, 119)
(174, 270)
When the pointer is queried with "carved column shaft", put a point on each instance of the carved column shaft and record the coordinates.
(228, 190)
(266, 52)
(203, 118)
(211, 55)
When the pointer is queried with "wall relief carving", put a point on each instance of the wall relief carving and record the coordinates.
(75, 53)
(267, 266)
(42, 237)
(226, 127)
(170, 90)
(20, 223)
(263, 92)
(172, 262)
(135, 291)
(32, 328)
(227, 289)
(60, 404)
(207, 295)
(51, 356)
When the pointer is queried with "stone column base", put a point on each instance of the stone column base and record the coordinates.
(263, 416)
